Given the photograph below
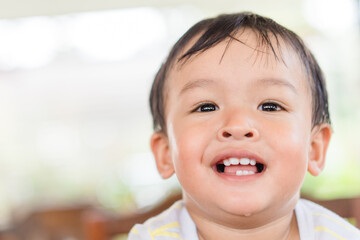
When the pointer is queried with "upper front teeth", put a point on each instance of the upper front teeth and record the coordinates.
(244, 161)
(236, 161)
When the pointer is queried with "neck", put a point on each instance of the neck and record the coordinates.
(283, 228)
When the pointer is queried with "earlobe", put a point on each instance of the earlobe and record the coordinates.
(320, 138)
(160, 148)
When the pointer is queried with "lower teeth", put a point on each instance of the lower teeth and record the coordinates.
(243, 173)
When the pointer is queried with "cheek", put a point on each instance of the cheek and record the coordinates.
(291, 155)
(188, 143)
(184, 147)
(292, 135)
(185, 142)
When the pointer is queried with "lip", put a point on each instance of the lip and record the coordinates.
(235, 178)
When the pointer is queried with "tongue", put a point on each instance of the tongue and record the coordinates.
(233, 169)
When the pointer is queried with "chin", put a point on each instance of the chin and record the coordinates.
(244, 206)
(243, 211)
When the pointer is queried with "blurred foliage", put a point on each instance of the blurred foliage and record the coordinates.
(345, 183)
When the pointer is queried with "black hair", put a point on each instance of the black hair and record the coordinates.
(215, 30)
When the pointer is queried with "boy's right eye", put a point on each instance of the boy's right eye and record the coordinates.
(206, 107)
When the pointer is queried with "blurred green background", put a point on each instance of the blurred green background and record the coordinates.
(74, 84)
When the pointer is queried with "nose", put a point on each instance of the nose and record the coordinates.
(238, 129)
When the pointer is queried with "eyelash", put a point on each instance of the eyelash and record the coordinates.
(266, 107)
(271, 107)
(206, 107)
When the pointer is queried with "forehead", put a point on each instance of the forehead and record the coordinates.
(243, 48)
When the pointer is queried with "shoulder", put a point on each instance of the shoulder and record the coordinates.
(170, 223)
(317, 222)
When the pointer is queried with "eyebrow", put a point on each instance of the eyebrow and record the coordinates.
(263, 81)
(195, 84)
(278, 82)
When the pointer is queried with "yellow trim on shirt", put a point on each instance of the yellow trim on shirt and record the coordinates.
(338, 222)
(161, 231)
(134, 230)
(167, 226)
(318, 229)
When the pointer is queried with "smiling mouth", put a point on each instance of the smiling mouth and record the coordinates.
(239, 167)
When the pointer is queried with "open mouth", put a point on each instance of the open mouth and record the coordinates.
(239, 167)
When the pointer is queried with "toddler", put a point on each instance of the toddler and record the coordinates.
(241, 114)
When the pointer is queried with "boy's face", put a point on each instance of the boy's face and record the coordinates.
(246, 105)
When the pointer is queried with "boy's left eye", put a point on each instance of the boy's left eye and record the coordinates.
(270, 107)
(206, 107)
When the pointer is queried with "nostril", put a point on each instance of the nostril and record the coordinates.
(250, 134)
(226, 134)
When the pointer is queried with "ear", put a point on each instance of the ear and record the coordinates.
(320, 138)
(160, 148)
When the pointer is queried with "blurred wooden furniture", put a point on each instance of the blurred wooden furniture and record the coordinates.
(88, 223)
(48, 223)
(346, 207)
(101, 227)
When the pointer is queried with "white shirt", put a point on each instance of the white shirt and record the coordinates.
(314, 221)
